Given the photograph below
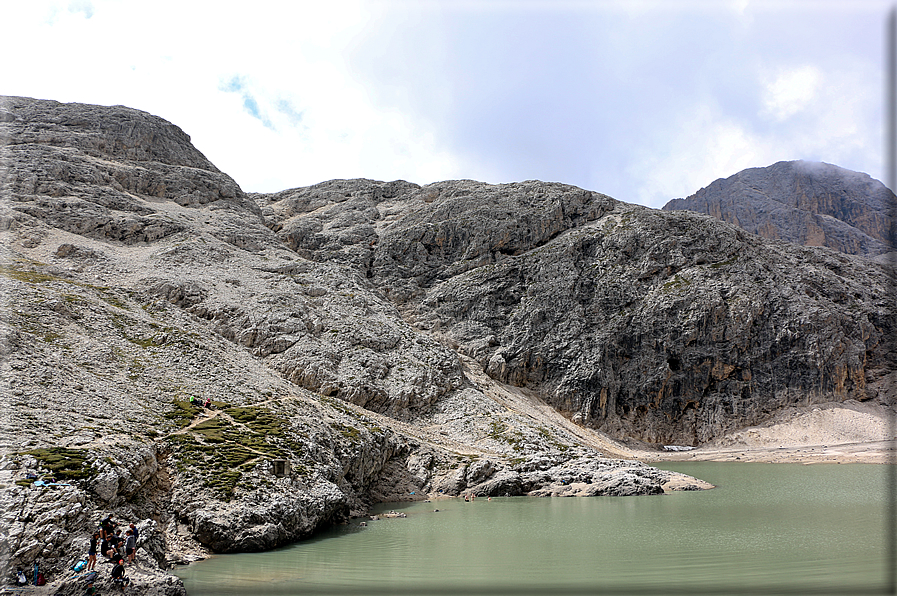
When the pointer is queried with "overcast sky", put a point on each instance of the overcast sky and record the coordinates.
(644, 101)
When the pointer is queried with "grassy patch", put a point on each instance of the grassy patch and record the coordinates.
(350, 432)
(183, 413)
(499, 431)
(259, 420)
(63, 463)
(550, 438)
(143, 342)
(113, 300)
(211, 430)
(36, 277)
(218, 466)
(724, 263)
(32, 277)
(218, 451)
(51, 337)
(676, 283)
(136, 369)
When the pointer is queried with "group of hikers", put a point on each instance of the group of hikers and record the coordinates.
(119, 549)
(107, 540)
(113, 545)
(197, 401)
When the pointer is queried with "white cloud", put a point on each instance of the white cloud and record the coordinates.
(634, 99)
(706, 145)
(739, 7)
(832, 116)
(831, 113)
(791, 90)
(265, 92)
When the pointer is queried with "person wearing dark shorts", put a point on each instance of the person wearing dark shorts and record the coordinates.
(92, 552)
(130, 546)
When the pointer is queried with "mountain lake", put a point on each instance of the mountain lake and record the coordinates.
(766, 528)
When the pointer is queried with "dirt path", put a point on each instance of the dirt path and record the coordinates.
(195, 422)
(877, 452)
(527, 403)
(845, 432)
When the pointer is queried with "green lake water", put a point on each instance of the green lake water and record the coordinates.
(765, 529)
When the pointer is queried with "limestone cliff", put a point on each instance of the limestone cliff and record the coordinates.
(808, 203)
(666, 327)
(136, 276)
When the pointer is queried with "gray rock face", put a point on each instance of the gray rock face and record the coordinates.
(119, 133)
(808, 203)
(95, 172)
(136, 276)
(672, 328)
(666, 327)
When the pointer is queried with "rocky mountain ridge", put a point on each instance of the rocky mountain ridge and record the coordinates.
(380, 338)
(665, 327)
(807, 203)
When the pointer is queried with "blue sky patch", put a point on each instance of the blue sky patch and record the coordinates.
(286, 108)
(237, 84)
(82, 6)
(234, 85)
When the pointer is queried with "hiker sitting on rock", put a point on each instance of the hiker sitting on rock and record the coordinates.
(114, 546)
(118, 574)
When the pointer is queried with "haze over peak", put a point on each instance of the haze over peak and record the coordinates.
(805, 202)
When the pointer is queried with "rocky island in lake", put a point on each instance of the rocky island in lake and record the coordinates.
(233, 371)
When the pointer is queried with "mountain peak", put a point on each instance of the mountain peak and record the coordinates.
(804, 202)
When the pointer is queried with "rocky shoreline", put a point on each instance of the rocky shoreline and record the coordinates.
(65, 512)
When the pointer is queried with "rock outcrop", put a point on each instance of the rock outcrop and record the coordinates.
(139, 282)
(360, 341)
(807, 203)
